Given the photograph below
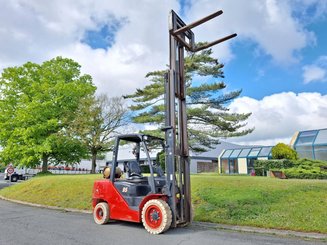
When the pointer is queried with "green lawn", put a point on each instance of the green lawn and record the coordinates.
(242, 200)
(261, 201)
(66, 191)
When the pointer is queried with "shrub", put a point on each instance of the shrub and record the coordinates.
(301, 173)
(293, 169)
(262, 166)
(283, 151)
(145, 168)
(310, 162)
(161, 159)
(46, 173)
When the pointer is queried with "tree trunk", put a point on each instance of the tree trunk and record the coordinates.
(44, 163)
(94, 161)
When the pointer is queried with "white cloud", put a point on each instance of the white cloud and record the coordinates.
(312, 73)
(268, 23)
(277, 117)
(316, 72)
(39, 30)
(33, 30)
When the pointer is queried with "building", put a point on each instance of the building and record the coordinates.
(311, 144)
(208, 161)
(241, 160)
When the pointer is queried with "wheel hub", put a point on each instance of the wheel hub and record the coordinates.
(100, 213)
(154, 216)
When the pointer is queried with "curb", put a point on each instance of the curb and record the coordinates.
(205, 225)
(47, 207)
(311, 235)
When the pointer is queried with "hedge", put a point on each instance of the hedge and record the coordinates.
(262, 166)
(300, 173)
(299, 169)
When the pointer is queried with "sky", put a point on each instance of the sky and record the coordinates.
(278, 59)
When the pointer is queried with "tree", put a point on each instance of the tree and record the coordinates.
(207, 114)
(283, 151)
(37, 103)
(98, 121)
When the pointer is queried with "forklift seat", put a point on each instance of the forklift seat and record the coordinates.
(133, 170)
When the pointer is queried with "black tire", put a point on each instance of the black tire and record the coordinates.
(13, 178)
(156, 216)
(101, 213)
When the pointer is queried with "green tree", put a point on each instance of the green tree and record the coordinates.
(207, 114)
(98, 121)
(37, 104)
(283, 151)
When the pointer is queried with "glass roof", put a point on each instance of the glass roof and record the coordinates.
(312, 137)
(235, 153)
(306, 137)
(227, 153)
(254, 152)
(312, 144)
(245, 153)
(321, 137)
(264, 151)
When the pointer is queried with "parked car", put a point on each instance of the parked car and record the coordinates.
(11, 175)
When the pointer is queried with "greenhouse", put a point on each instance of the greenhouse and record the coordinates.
(311, 144)
(241, 161)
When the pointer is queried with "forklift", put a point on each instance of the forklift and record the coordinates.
(160, 200)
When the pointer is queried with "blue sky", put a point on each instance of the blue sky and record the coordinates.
(278, 59)
(259, 76)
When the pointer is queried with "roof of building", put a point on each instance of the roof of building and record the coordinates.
(312, 137)
(214, 153)
(247, 152)
(311, 144)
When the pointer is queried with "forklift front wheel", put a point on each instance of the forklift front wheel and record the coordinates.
(101, 213)
(156, 216)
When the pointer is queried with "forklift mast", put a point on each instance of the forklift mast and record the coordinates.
(178, 186)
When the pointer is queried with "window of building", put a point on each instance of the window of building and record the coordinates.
(306, 137)
(205, 167)
(224, 166)
(233, 166)
(305, 151)
(244, 153)
(226, 153)
(321, 137)
(320, 152)
(235, 153)
(265, 151)
(250, 164)
(254, 152)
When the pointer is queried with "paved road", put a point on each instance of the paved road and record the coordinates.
(21, 224)
(3, 183)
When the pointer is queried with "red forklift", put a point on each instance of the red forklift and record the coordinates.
(159, 200)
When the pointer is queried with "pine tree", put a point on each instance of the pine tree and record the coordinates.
(207, 114)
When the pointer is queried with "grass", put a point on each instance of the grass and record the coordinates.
(261, 201)
(65, 191)
(241, 200)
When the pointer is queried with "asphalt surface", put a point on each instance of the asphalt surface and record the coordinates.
(3, 183)
(20, 224)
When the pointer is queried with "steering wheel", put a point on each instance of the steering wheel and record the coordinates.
(135, 174)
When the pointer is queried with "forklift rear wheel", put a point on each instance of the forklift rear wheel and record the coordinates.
(156, 216)
(101, 213)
